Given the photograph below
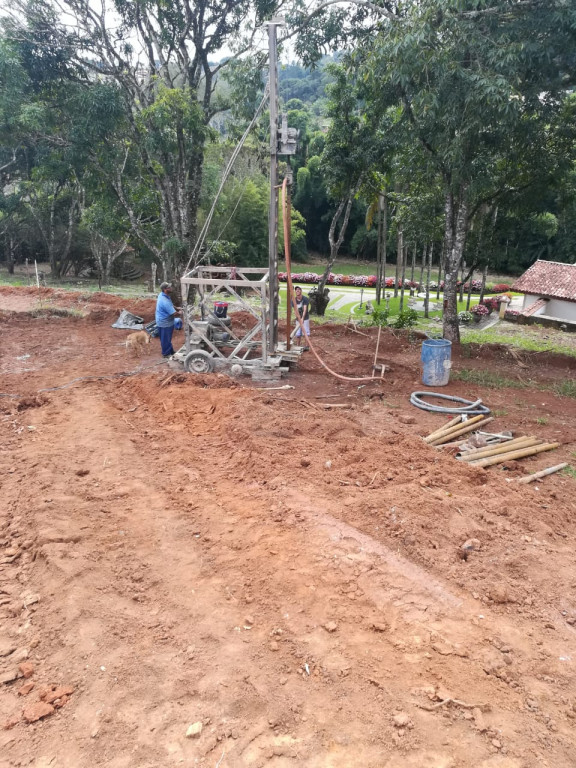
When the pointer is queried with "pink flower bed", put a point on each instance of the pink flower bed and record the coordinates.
(362, 281)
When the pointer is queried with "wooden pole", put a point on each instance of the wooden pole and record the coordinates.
(492, 446)
(273, 208)
(449, 429)
(440, 430)
(543, 473)
(519, 454)
(464, 430)
(287, 214)
(523, 442)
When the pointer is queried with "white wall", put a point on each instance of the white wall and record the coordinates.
(563, 310)
(529, 300)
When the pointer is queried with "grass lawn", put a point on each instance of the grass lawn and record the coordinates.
(566, 388)
(532, 338)
(83, 285)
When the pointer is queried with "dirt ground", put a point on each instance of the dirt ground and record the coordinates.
(180, 550)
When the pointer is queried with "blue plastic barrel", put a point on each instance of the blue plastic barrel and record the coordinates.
(436, 362)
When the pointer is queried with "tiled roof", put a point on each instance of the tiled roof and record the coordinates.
(549, 278)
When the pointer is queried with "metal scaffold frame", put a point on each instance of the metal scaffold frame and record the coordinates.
(212, 343)
(219, 283)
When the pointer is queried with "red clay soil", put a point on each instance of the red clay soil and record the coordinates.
(179, 550)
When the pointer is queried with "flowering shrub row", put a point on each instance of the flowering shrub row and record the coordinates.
(357, 280)
(370, 281)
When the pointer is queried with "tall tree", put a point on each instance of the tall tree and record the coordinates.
(476, 95)
(160, 58)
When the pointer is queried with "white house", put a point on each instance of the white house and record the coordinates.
(549, 289)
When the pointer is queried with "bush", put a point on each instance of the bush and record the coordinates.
(380, 316)
(480, 310)
(476, 286)
(491, 303)
(465, 317)
(406, 319)
(500, 288)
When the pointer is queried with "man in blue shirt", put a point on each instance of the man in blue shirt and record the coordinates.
(165, 314)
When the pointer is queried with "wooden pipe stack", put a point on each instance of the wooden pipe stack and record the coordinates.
(486, 456)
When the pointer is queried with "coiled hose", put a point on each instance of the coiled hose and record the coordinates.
(468, 407)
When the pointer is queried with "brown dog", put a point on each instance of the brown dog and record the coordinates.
(136, 342)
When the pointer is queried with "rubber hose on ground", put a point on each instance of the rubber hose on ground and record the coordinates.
(468, 407)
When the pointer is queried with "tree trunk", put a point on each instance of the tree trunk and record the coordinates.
(455, 231)
(399, 257)
(440, 267)
(343, 211)
(428, 269)
(404, 260)
(98, 256)
(380, 247)
(423, 266)
(483, 286)
(10, 254)
(384, 244)
(413, 265)
(469, 291)
(462, 280)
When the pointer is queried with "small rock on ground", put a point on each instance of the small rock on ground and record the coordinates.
(194, 730)
(37, 711)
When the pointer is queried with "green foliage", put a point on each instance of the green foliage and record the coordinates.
(241, 221)
(363, 243)
(406, 319)
(487, 378)
(296, 82)
(566, 388)
(222, 252)
(311, 200)
(380, 316)
(527, 338)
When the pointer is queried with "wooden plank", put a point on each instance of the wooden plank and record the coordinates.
(468, 426)
(543, 473)
(200, 281)
(519, 454)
